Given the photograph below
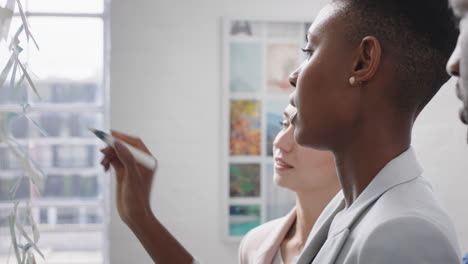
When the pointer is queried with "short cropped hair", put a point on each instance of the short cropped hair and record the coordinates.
(419, 34)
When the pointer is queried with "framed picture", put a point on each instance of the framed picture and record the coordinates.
(258, 57)
(244, 180)
(242, 218)
(245, 61)
(245, 127)
(281, 60)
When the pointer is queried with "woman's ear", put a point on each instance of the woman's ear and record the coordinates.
(367, 60)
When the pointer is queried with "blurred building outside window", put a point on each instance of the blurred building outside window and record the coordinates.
(71, 74)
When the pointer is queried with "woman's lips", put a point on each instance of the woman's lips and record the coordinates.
(281, 165)
(293, 118)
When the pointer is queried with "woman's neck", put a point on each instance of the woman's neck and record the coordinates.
(368, 152)
(309, 206)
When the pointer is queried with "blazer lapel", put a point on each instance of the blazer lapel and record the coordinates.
(272, 243)
(402, 169)
(331, 248)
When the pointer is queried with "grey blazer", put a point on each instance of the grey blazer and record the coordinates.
(396, 219)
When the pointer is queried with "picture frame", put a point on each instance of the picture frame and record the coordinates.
(258, 56)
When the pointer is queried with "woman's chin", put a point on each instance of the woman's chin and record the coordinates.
(283, 181)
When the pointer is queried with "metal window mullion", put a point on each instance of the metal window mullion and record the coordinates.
(59, 14)
(44, 203)
(63, 107)
(79, 108)
(86, 172)
(106, 201)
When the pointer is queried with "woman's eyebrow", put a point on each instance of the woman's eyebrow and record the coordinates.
(312, 39)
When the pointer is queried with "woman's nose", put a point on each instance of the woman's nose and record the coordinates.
(453, 64)
(293, 78)
(284, 141)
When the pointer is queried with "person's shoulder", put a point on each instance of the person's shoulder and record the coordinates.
(408, 239)
(407, 222)
(255, 238)
(411, 200)
(414, 198)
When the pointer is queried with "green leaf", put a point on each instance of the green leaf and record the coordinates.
(11, 222)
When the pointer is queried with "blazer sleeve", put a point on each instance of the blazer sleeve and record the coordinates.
(408, 240)
(243, 254)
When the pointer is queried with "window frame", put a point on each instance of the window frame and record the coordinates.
(102, 107)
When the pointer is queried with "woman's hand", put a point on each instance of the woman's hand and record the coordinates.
(133, 202)
(133, 180)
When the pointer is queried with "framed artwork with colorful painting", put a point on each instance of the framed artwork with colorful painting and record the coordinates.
(258, 57)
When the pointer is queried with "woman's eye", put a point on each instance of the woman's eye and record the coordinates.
(284, 124)
(308, 52)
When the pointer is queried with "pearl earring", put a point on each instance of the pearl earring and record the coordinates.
(352, 80)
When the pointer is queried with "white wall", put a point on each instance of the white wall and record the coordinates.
(440, 140)
(166, 88)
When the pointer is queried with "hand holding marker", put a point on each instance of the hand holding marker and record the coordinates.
(141, 157)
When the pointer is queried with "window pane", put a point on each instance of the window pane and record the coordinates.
(70, 91)
(65, 156)
(8, 160)
(68, 216)
(69, 64)
(8, 183)
(20, 127)
(4, 220)
(21, 215)
(71, 186)
(66, 6)
(88, 188)
(66, 124)
(94, 216)
(43, 216)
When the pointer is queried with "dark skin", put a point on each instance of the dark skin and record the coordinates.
(133, 191)
(354, 118)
